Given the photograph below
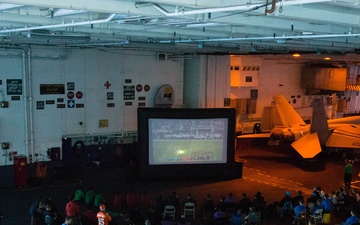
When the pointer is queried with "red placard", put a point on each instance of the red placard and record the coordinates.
(146, 87)
(70, 95)
(79, 94)
(138, 87)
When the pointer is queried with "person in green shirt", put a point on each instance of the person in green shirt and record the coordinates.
(348, 168)
(89, 196)
(79, 195)
(99, 199)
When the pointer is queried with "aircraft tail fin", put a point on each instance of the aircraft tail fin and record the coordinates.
(287, 113)
(307, 146)
(319, 122)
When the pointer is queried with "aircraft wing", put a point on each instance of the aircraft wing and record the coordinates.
(249, 136)
(308, 146)
(344, 136)
(350, 119)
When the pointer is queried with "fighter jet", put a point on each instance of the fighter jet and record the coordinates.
(309, 139)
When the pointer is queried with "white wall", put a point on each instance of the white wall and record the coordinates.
(89, 70)
(202, 82)
(206, 81)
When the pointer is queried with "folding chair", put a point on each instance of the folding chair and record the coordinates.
(317, 217)
(169, 210)
(301, 218)
(189, 209)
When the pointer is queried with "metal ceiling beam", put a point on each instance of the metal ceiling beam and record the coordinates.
(234, 8)
(109, 6)
(52, 26)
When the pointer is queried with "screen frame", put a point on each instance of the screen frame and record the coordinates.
(214, 170)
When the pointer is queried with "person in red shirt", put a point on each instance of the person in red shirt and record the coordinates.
(103, 217)
(72, 208)
(119, 200)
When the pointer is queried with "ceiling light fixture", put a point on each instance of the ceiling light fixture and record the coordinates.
(296, 55)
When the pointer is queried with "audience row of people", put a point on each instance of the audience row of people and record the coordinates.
(135, 208)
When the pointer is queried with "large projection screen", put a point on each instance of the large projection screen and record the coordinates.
(176, 143)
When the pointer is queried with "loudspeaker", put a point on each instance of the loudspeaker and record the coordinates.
(238, 169)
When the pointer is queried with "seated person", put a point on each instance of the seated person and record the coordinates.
(237, 218)
(219, 214)
(316, 206)
(326, 203)
(254, 217)
(299, 210)
(208, 206)
(353, 219)
(244, 203)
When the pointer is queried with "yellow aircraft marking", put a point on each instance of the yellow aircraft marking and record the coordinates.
(263, 178)
(355, 184)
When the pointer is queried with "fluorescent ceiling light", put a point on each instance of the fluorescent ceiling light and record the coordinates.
(65, 12)
(203, 25)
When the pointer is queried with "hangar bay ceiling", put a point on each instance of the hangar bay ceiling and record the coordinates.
(186, 26)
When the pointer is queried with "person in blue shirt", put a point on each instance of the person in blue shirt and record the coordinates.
(317, 206)
(299, 209)
(237, 218)
(353, 219)
(327, 204)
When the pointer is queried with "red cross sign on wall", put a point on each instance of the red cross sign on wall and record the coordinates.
(107, 84)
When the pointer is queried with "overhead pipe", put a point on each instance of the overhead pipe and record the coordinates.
(319, 36)
(224, 9)
(112, 16)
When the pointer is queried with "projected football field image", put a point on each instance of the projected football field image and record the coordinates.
(187, 151)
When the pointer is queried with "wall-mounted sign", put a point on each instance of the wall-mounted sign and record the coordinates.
(129, 92)
(60, 100)
(146, 87)
(103, 123)
(142, 98)
(70, 95)
(52, 89)
(128, 81)
(141, 104)
(50, 102)
(70, 86)
(61, 106)
(110, 96)
(71, 104)
(128, 103)
(15, 98)
(14, 86)
(40, 105)
(111, 105)
(254, 93)
(79, 95)
(138, 87)
(164, 97)
(79, 105)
